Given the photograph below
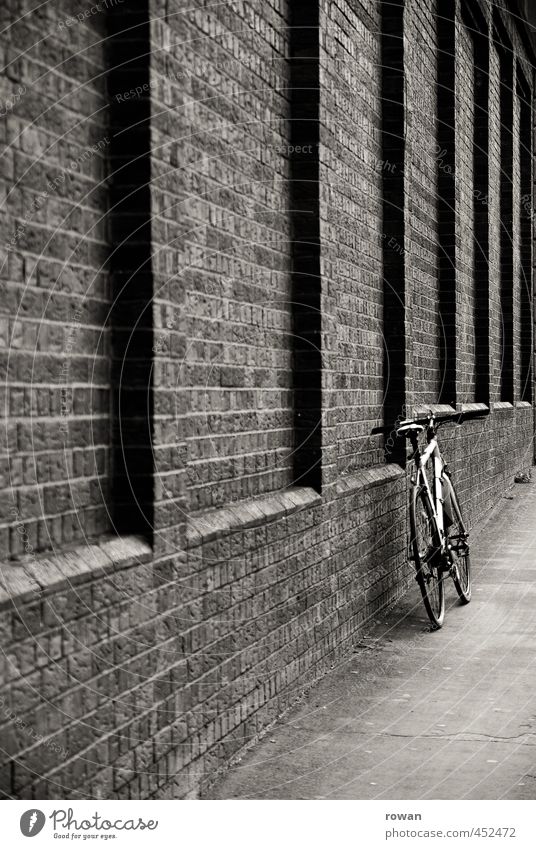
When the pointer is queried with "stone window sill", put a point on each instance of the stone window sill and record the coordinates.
(502, 406)
(474, 408)
(368, 478)
(209, 526)
(437, 409)
(50, 572)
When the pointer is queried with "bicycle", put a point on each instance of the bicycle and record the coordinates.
(439, 538)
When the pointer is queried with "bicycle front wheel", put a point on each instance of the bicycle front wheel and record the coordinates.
(426, 554)
(457, 540)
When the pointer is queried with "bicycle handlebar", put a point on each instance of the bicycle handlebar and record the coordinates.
(439, 420)
(457, 418)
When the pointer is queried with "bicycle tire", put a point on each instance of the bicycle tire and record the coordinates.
(424, 544)
(457, 539)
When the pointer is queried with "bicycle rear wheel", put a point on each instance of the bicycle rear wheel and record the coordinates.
(457, 539)
(424, 544)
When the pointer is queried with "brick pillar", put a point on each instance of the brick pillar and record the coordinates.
(481, 212)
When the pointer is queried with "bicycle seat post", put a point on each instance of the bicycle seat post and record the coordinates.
(414, 440)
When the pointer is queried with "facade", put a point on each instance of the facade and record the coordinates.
(240, 242)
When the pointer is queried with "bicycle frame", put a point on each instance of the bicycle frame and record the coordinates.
(436, 492)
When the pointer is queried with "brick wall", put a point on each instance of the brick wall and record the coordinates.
(137, 667)
(465, 118)
(495, 223)
(55, 283)
(231, 191)
(421, 204)
(351, 213)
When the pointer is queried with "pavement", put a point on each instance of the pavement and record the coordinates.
(415, 714)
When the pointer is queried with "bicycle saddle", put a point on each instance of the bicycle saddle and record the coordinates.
(409, 429)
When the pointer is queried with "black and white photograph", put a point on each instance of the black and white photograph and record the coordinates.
(268, 510)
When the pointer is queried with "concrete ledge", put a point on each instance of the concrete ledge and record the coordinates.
(474, 408)
(524, 405)
(502, 407)
(437, 409)
(368, 478)
(39, 575)
(249, 514)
